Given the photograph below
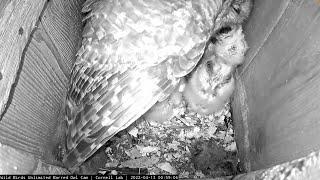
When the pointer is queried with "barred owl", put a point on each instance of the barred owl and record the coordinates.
(133, 55)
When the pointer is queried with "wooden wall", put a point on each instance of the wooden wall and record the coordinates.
(38, 59)
(276, 107)
(18, 19)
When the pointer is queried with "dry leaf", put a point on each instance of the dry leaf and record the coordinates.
(133, 153)
(112, 164)
(173, 145)
(146, 150)
(142, 162)
(134, 132)
(199, 174)
(232, 147)
(167, 167)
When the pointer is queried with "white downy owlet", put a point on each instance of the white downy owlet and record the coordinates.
(210, 86)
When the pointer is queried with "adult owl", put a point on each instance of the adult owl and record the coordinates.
(133, 55)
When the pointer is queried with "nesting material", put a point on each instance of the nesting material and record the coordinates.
(190, 145)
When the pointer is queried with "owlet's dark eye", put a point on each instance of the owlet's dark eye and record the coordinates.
(225, 30)
(236, 9)
(209, 66)
(228, 78)
(213, 40)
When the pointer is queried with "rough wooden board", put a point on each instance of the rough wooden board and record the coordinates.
(62, 32)
(17, 20)
(304, 168)
(264, 18)
(282, 83)
(240, 112)
(3, 5)
(17, 162)
(31, 121)
(298, 169)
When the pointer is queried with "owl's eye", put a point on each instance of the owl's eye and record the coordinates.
(213, 40)
(236, 8)
(233, 48)
(209, 66)
(225, 30)
(228, 78)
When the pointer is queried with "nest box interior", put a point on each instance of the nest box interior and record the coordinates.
(275, 106)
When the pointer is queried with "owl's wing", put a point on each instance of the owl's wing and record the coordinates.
(133, 54)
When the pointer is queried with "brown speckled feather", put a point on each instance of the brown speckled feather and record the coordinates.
(133, 54)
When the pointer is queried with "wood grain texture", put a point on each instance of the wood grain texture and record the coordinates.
(32, 121)
(281, 78)
(304, 168)
(18, 162)
(17, 20)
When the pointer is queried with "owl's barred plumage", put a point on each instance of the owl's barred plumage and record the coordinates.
(236, 13)
(133, 54)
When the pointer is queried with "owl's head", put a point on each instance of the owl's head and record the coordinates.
(235, 13)
(230, 45)
(238, 12)
(210, 85)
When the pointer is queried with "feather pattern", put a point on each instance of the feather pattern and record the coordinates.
(133, 54)
(234, 12)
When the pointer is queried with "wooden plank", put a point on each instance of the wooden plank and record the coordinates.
(281, 84)
(303, 168)
(17, 162)
(240, 113)
(17, 20)
(31, 123)
(264, 18)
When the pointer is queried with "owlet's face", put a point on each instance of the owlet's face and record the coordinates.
(210, 85)
(212, 74)
(230, 45)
